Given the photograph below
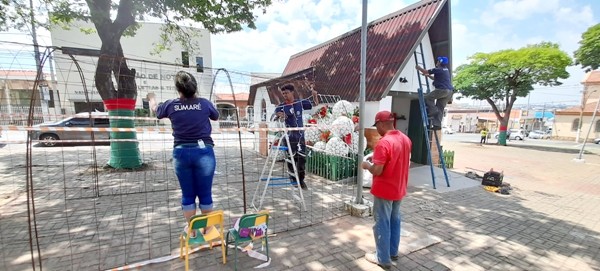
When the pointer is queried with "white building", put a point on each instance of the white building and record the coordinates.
(154, 71)
(333, 68)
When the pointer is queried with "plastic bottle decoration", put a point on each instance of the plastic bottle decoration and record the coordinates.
(343, 108)
(311, 134)
(337, 147)
(354, 144)
(320, 145)
(342, 126)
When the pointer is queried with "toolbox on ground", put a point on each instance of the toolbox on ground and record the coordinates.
(492, 178)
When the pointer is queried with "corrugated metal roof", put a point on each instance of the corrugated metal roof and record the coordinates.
(390, 43)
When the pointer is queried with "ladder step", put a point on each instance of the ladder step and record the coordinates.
(282, 184)
(281, 148)
(276, 179)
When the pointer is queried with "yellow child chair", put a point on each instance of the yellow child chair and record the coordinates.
(206, 236)
(250, 227)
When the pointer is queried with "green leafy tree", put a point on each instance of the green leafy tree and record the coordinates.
(507, 74)
(588, 54)
(112, 20)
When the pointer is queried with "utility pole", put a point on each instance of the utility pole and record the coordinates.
(580, 157)
(584, 98)
(543, 115)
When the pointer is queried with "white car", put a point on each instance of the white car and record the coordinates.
(597, 140)
(538, 134)
(447, 130)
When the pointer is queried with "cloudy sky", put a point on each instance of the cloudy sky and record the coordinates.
(478, 26)
(292, 26)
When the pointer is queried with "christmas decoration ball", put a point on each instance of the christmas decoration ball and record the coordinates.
(342, 126)
(342, 108)
(312, 134)
(355, 143)
(337, 147)
(320, 145)
(324, 123)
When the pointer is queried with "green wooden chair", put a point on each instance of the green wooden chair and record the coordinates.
(247, 232)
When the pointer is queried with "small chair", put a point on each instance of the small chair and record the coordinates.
(205, 221)
(251, 227)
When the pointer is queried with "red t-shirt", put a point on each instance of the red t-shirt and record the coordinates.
(393, 152)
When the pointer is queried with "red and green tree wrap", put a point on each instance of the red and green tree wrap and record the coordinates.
(502, 135)
(123, 154)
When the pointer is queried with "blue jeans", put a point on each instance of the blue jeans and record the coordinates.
(195, 169)
(387, 228)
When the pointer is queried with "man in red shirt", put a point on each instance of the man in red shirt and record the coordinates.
(390, 165)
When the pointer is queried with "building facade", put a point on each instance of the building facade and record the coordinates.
(155, 70)
(575, 122)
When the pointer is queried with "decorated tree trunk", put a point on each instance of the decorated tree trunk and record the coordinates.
(502, 133)
(120, 102)
(123, 154)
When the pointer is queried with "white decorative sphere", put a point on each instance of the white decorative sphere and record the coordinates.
(312, 134)
(342, 126)
(342, 108)
(324, 123)
(320, 145)
(337, 147)
(354, 146)
(305, 118)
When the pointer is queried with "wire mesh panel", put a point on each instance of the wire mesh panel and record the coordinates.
(63, 208)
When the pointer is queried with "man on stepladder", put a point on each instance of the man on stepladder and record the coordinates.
(390, 165)
(291, 111)
(437, 99)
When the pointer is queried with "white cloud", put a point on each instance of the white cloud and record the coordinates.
(517, 10)
(290, 27)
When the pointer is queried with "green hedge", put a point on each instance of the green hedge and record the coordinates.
(331, 167)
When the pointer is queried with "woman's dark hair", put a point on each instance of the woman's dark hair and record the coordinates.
(186, 84)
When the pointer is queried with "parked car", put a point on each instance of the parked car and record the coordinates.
(539, 134)
(513, 134)
(498, 134)
(518, 134)
(447, 130)
(597, 140)
(79, 120)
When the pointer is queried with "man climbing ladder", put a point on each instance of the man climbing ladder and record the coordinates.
(437, 99)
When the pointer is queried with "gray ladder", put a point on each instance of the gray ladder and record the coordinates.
(424, 83)
(267, 179)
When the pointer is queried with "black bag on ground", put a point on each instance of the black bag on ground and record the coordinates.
(492, 178)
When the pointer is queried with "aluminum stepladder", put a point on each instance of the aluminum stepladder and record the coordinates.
(424, 83)
(267, 179)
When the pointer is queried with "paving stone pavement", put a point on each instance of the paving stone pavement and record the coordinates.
(551, 221)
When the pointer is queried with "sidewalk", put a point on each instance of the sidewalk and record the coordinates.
(551, 221)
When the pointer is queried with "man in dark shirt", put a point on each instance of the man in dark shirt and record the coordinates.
(437, 99)
(291, 111)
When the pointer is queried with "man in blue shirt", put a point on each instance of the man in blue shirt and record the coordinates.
(437, 99)
(290, 111)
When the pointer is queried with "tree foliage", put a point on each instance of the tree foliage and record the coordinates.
(588, 54)
(501, 77)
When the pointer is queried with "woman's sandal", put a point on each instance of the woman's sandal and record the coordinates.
(194, 232)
